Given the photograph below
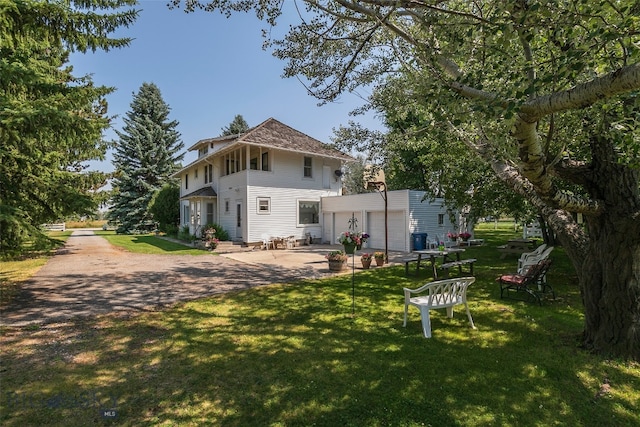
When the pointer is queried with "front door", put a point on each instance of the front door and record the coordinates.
(238, 220)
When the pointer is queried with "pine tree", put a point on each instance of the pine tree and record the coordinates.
(146, 155)
(237, 126)
(51, 121)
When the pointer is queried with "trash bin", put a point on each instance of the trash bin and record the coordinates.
(419, 241)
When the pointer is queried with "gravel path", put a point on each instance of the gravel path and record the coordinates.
(89, 276)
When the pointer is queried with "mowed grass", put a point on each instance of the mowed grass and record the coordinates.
(294, 355)
(148, 244)
(15, 270)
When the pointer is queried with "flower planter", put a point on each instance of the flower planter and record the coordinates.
(350, 249)
(366, 263)
(379, 262)
(337, 265)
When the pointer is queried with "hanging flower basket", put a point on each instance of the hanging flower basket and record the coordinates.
(352, 238)
(350, 248)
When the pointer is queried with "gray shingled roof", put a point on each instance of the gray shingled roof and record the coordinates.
(201, 192)
(274, 134)
(271, 134)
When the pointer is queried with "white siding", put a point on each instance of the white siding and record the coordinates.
(282, 220)
(284, 185)
(423, 216)
(407, 214)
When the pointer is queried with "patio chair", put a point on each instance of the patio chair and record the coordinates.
(440, 294)
(432, 243)
(529, 282)
(530, 255)
(523, 266)
(267, 241)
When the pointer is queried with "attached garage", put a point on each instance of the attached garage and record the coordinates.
(408, 212)
(397, 226)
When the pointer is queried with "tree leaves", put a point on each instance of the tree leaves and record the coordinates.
(50, 121)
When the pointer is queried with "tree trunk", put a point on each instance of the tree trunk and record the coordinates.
(609, 274)
(610, 283)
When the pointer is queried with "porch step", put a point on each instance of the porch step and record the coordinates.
(227, 246)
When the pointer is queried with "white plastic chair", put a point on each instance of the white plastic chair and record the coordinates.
(535, 253)
(440, 294)
(533, 260)
(267, 241)
(530, 258)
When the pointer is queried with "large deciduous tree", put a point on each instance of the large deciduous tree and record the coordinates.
(545, 93)
(51, 121)
(165, 208)
(146, 155)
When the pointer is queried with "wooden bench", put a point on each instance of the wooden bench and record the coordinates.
(448, 265)
(439, 294)
(406, 263)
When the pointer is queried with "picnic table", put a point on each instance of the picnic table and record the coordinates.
(446, 254)
(516, 246)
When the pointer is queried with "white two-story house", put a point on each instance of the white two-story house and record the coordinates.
(266, 181)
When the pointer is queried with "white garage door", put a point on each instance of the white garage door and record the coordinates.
(398, 239)
(342, 223)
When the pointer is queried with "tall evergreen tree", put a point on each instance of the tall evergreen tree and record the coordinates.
(51, 121)
(146, 155)
(238, 125)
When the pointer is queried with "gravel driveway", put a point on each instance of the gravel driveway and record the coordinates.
(89, 276)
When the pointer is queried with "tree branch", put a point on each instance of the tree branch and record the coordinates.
(623, 80)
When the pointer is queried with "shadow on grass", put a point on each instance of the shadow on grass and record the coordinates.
(294, 355)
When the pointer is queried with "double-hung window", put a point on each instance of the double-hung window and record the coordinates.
(264, 205)
(307, 169)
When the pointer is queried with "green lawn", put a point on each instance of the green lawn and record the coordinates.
(293, 355)
(148, 244)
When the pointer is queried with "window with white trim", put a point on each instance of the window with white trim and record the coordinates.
(308, 212)
(307, 169)
(263, 205)
(208, 174)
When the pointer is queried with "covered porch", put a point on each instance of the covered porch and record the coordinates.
(199, 208)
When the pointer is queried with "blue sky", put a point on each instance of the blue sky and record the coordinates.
(209, 69)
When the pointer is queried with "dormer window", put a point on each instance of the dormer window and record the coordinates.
(203, 151)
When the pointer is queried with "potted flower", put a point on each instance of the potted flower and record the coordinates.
(210, 239)
(366, 260)
(352, 240)
(337, 260)
(379, 256)
(465, 236)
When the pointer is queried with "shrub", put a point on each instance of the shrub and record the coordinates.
(221, 234)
